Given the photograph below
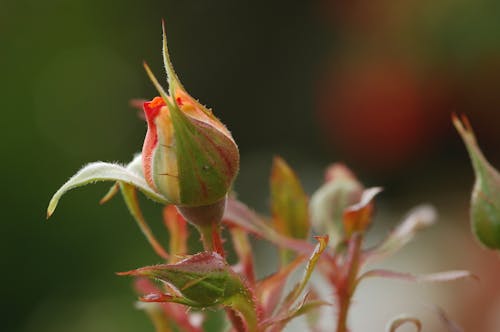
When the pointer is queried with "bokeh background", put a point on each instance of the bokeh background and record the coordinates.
(371, 83)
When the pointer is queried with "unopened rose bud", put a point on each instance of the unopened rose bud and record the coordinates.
(188, 155)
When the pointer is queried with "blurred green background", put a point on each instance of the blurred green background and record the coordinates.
(370, 83)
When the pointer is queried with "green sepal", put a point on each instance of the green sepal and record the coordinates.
(208, 160)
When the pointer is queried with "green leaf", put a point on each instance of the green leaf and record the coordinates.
(311, 264)
(289, 205)
(290, 309)
(101, 171)
(269, 290)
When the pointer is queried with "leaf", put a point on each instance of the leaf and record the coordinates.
(417, 219)
(357, 217)
(311, 264)
(401, 320)
(289, 205)
(269, 290)
(237, 214)
(433, 277)
(101, 171)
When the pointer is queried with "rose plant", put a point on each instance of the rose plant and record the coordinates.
(188, 164)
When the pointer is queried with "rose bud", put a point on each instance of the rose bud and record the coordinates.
(188, 155)
(485, 201)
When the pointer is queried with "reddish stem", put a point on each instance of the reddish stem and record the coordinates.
(346, 284)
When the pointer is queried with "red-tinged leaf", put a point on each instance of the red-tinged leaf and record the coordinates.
(357, 217)
(269, 290)
(417, 219)
(288, 309)
(341, 190)
(243, 250)
(433, 277)
(399, 321)
(239, 215)
(289, 205)
(130, 197)
(177, 228)
(451, 326)
(294, 294)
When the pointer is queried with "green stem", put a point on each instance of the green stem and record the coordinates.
(206, 238)
(207, 220)
(347, 285)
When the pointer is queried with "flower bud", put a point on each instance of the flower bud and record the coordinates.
(202, 280)
(328, 204)
(188, 155)
(485, 201)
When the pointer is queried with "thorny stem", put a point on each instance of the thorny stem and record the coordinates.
(241, 313)
(207, 220)
(211, 238)
(347, 284)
